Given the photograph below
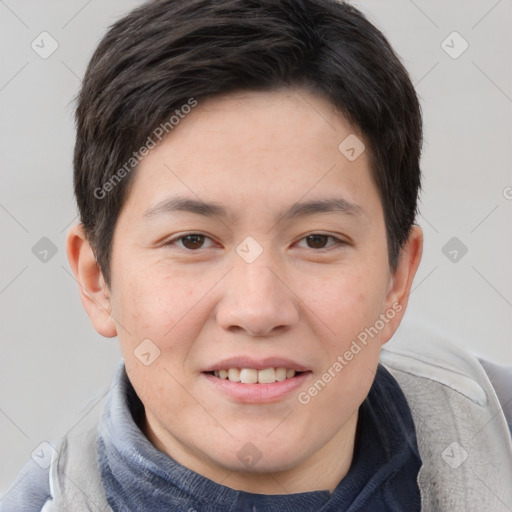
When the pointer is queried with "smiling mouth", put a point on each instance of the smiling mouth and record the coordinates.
(253, 376)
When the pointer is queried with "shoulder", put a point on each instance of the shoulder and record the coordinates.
(57, 483)
(43, 483)
(31, 488)
(457, 405)
(430, 355)
(501, 379)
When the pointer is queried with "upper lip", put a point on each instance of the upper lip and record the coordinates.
(257, 364)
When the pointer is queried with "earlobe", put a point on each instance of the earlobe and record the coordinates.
(94, 293)
(398, 295)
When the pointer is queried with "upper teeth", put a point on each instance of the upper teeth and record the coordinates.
(252, 376)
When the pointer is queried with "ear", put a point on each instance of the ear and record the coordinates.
(94, 293)
(401, 282)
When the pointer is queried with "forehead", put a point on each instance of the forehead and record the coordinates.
(265, 147)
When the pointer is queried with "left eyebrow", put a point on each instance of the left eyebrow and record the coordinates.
(333, 205)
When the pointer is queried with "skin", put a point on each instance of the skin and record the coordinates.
(257, 154)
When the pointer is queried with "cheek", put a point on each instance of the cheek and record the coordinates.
(349, 306)
(153, 304)
(162, 309)
(354, 304)
(348, 302)
(169, 308)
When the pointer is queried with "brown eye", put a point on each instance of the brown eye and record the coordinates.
(317, 241)
(192, 241)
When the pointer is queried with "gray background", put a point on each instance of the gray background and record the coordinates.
(54, 367)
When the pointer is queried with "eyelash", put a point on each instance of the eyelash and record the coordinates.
(337, 241)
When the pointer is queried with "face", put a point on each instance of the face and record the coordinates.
(249, 258)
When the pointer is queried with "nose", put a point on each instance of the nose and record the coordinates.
(257, 299)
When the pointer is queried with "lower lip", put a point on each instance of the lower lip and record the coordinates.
(257, 393)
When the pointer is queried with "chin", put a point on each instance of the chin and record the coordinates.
(258, 456)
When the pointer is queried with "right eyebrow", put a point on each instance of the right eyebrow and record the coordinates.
(182, 204)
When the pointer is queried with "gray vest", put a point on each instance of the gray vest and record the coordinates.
(462, 434)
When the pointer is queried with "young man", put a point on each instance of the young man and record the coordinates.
(247, 174)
